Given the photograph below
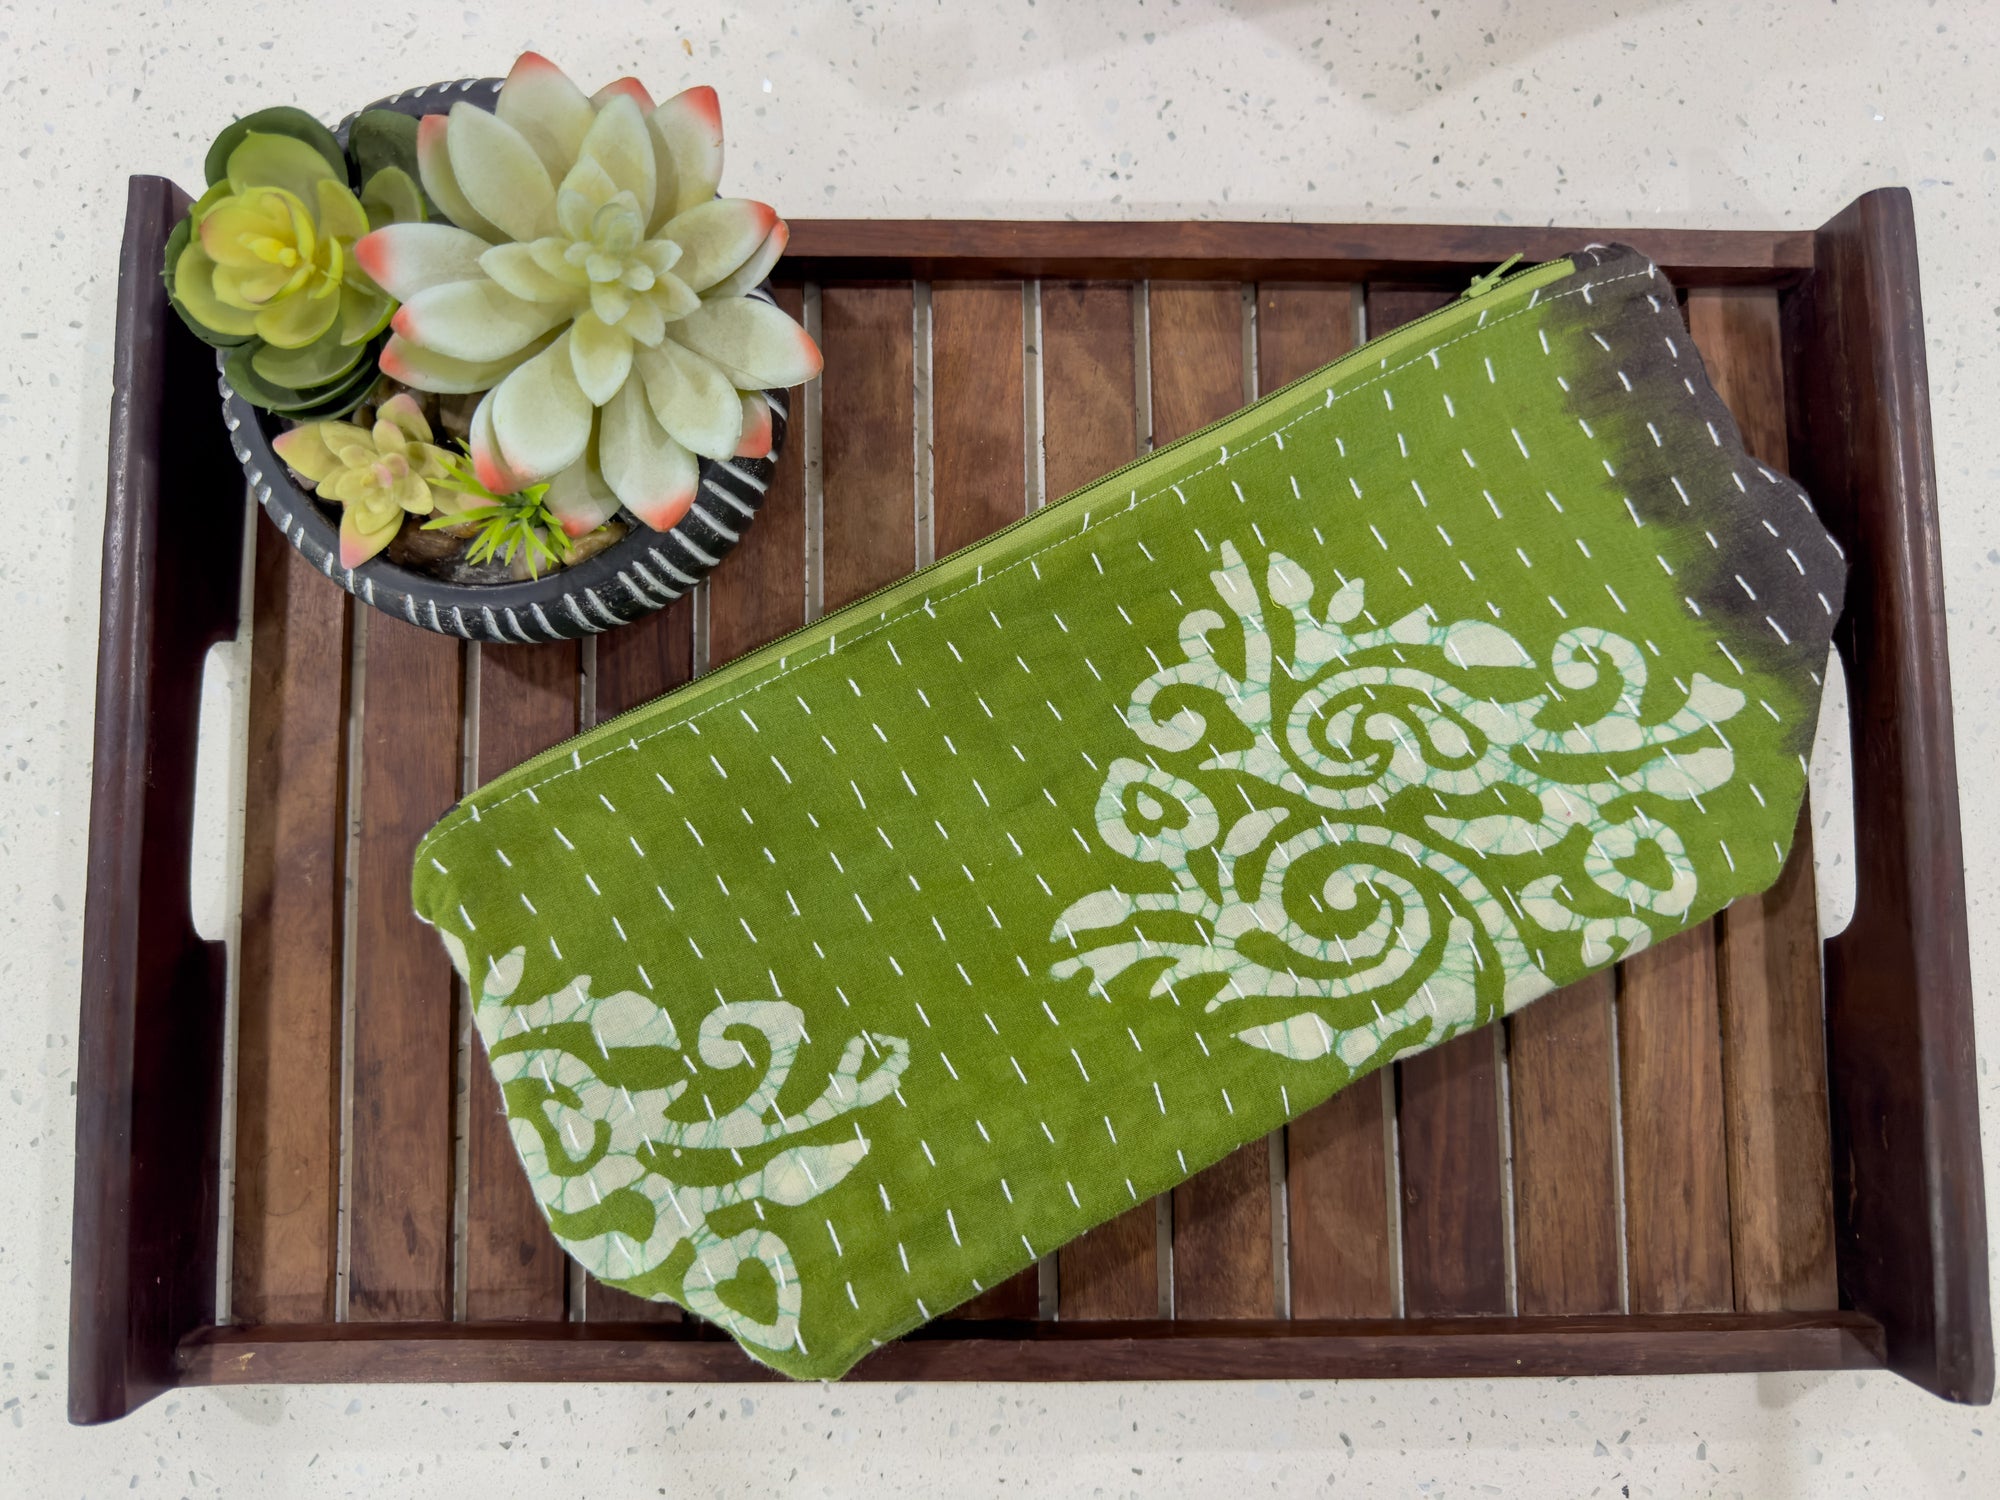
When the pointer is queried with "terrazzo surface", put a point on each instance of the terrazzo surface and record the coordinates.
(1696, 114)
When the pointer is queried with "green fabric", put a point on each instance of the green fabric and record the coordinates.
(859, 974)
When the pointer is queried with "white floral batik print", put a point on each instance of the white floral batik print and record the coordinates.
(1297, 807)
(584, 1139)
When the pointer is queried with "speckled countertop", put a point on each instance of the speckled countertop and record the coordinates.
(1708, 114)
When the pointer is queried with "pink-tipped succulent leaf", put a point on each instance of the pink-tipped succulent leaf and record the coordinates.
(756, 440)
(474, 320)
(747, 277)
(752, 342)
(359, 541)
(693, 400)
(499, 173)
(652, 474)
(441, 183)
(426, 370)
(579, 498)
(488, 466)
(687, 132)
(405, 259)
(717, 238)
(629, 86)
(541, 417)
(305, 452)
(549, 111)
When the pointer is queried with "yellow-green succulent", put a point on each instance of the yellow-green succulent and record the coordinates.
(272, 248)
(377, 475)
(264, 264)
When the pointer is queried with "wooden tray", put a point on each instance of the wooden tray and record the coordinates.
(1705, 1162)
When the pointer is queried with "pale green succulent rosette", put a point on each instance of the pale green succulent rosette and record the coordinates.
(593, 285)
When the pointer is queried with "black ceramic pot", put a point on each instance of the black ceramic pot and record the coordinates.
(643, 571)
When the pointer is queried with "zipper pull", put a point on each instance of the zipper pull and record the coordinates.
(1481, 285)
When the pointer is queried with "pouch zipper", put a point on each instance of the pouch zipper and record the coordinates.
(1482, 287)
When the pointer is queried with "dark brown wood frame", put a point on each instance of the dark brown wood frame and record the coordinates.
(1910, 1216)
(1260, 1349)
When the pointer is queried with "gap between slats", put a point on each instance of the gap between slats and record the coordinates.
(469, 1055)
(234, 820)
(1142, 417)
(576, 1281)
(404, 1035)
(357, 682)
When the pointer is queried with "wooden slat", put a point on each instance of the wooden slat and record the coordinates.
(1300, 328)
(1337, 1195)
(1336, 1172)
(513, 1266)
(760, 593)
(1454, 1233)
(1559, 1056)
(1222, 1238)
(1222, 1216)
(868, 456)
(288, 977)
(1448, 1102)
(1774, 1093)
(1195, 341)
(978, 447)
(635, 664)
(1561, 1066)
(1736, 330)
(1089, 383)
(1112, 1271)
(1676, 1177)
(399, 1221)
(1390, 306)
(1089, 396)
(978, 469)
(640, 661)
(1767, 947)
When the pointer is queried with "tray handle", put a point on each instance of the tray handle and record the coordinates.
(1909, 1194)
(149, 1037)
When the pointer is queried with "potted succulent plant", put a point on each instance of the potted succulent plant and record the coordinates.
(495, 355)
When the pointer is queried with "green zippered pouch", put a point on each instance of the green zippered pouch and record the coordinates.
(857, 975)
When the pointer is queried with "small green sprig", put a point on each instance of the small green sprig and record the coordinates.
(520, 522)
